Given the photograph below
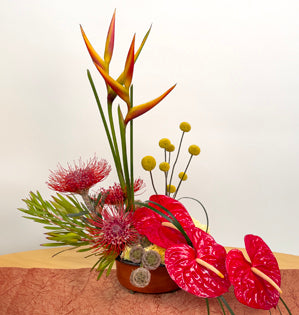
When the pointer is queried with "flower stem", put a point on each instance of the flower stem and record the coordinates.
(152, 180)
(176, 159)
(183, 176)
(115, 158)
(132, 151)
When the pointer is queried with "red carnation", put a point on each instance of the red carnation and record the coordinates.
(79, 178)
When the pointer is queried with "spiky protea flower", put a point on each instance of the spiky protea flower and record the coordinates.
(136, 254)
(79, 177)
(114, 194)
(140, 277)
(113, 230)
(151, 260)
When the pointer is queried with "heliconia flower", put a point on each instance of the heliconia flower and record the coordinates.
(110, 41)
(200, 269)
(113, 230)
(138, 110)
(80, 177)
(114, 194)
(129, 66)
(256, 283)
(157, 229)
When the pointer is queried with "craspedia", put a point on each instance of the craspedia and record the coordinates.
(194, 149)
(183, 176)
(140, 277)
(151, 260)
(170, 148)
(171, 188)
(148, 163)
(185, 127)
(164, 167)
(164, 143)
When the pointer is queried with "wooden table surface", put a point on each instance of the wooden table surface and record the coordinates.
(70, 259)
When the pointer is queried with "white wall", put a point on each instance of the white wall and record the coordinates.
(235, 64)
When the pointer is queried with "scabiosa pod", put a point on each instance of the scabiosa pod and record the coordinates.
(140, 277)
(151, 260)
(136, 254)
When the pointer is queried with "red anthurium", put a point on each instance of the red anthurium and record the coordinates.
(256, 284)
(199, 270)
(151, 224)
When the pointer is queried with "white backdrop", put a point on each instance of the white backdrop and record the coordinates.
(235, 64)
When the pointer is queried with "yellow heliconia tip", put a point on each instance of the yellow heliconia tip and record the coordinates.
(171, 188)
(183, 176)
(194, 149)
(170, 148)
(185, 127)
(164, 166)
(148, 163)
(164, 143)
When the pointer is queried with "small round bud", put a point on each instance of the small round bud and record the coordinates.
(183, 176)
(136, 254)
(140, 277)
(170, 148)
(185, 127)
(148, 163)
(151, 260)
(164, 166)
(164, 143)
(194, 149)
(171, 188)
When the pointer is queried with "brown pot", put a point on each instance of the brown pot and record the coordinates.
(160, 279)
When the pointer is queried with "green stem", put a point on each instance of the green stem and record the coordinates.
(176, 159)
(118, 169)
(220, 303)
(285, 305)
(183, 176)
(117, 155)
(208, 306)
(132, 151)
(122, 129)
(226, 304)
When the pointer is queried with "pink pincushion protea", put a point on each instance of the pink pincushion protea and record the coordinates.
(183, 267)
(150, 224)
(79, 178)
(113, 230)
(115, 195)
(250, 289)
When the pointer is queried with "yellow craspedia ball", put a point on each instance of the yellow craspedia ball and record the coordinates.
(171, 188)
(164, 143)
(194, 149)
(148, 163)
(183, 176)
(184, 126)
(164, 166)
(170, 148)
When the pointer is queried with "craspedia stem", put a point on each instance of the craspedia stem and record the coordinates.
(152, 180)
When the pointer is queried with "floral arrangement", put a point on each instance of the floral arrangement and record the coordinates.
(112, 225)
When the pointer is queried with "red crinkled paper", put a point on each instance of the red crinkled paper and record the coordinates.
(191, 276)
(149, 223)
(249, 288)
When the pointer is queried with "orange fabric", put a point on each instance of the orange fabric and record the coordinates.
(40, 291)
